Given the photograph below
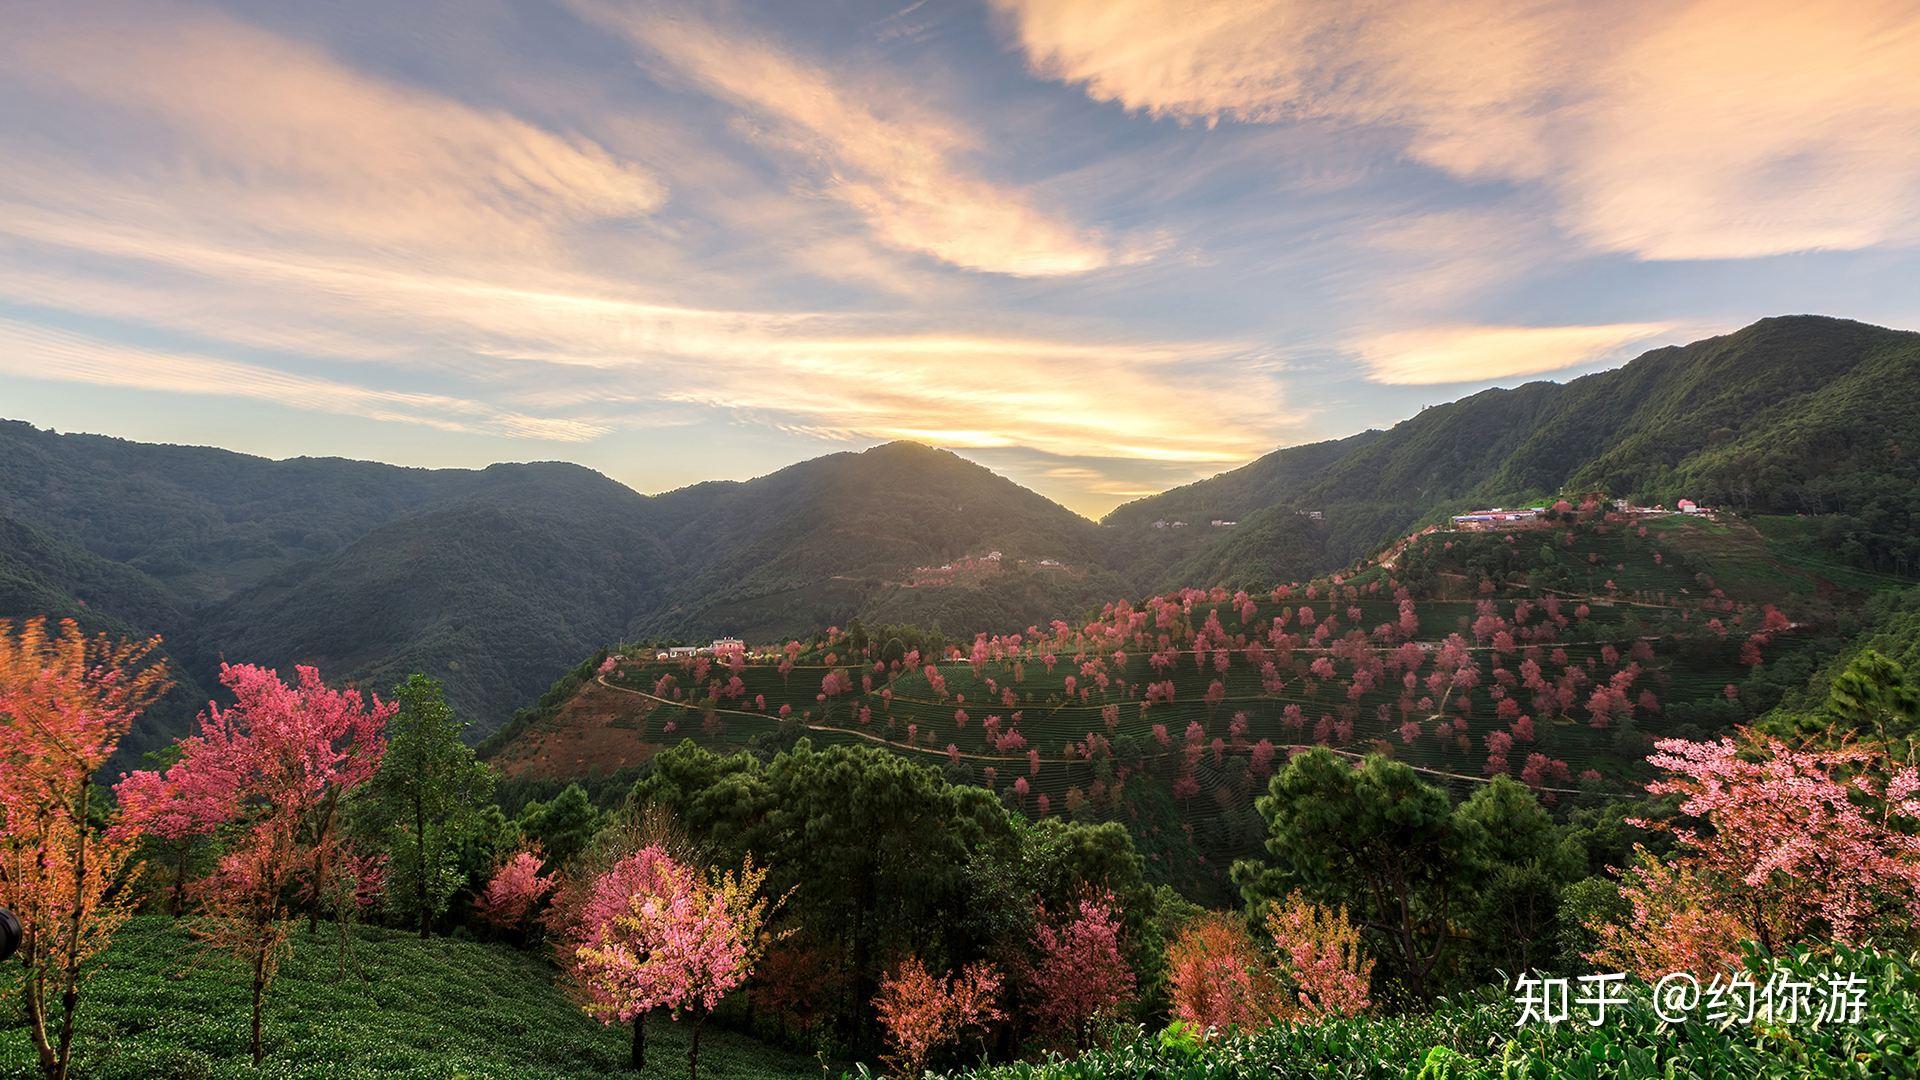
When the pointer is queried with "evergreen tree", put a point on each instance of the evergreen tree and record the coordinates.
(426, 800)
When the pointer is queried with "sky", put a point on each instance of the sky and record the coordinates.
(1103, 247)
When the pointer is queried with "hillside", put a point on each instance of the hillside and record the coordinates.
(815, 543)
(495, 595)
(1791, 415)
(497, 580)
(1476, 653)
(393, 1006)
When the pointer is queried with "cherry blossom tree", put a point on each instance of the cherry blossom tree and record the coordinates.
(66, 700)
(1217, 978)
(1321, 962)
(654, 934)
(923, 1012)
(611, 963)
(1079, 974)
(515, 890)
(274, 768)
(1793, 843)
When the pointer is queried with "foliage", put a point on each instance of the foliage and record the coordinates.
(1374, 839)
(66, 699)
(879, 854)
(1476, 1038)
(419, 1010)
(563, 826)
(923, 1013)
(1445, 894)
(426, 800)
(1078, 975)
(271, 772)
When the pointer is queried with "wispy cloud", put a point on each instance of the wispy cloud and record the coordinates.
(900, 164)
(1464, 354)
(301, 212)
(571, 222)
(1707, 129)
(34, 351)
(226, 128)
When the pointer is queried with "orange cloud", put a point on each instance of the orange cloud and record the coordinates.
(237, 130)
(901, 166)
(1456, 354)
(39, 352)
(1704, 129)
(292, 206)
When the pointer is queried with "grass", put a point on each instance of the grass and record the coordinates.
(162, 1009)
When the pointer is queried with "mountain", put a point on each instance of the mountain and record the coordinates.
(1799, 414)
(823, 539)
(495, 594)
(497, 580)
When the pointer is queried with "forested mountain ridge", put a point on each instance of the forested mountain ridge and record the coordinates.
(498, 580)
(844, 527)
(1796, 414)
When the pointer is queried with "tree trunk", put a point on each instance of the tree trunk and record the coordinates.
(34, 1004)
(319, 875)
(639, 1041)
(179, 903)
(70, 992)
(259, 1001)
(420, 863)
(693, 1048)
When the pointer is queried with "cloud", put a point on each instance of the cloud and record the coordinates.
(296, 229)
(39, 352)
(230, 129)
(901, 166)
(1435, 66)
(1704, 129)
(1734, 130)
(1460, 354)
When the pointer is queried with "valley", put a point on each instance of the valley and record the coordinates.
(499, 580)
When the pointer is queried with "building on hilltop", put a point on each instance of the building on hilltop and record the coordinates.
(1499, 515)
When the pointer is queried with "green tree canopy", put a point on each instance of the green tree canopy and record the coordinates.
(426, 800)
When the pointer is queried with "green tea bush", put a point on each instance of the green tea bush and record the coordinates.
(1476, 1038)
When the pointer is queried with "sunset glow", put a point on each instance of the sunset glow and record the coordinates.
(1103, 246)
